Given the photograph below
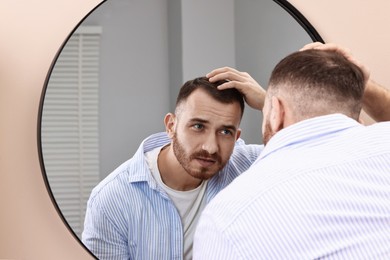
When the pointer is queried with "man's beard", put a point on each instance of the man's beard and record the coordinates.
(185, 159)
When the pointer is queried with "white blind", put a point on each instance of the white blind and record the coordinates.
(70, 125)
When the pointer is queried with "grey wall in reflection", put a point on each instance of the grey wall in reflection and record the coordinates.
(146, 50)
(149, 48)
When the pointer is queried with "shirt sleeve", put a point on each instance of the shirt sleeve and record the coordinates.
(212, 243)
(101, 236)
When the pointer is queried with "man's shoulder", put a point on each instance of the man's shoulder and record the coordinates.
(377, 129)
(248, 151)
(118, 186)
(126, 176)
(242, 157)
(116, 180)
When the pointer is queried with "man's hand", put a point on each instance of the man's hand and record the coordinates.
(253, 93)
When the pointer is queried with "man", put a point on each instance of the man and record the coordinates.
(136, 212)
(148, 208)
(320, 188)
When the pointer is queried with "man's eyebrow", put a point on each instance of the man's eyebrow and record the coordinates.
(232, 127)
(200, 120)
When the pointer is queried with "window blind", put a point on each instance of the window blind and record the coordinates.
(70, 125)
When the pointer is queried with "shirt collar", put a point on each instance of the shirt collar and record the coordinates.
(138, 166)
(138, 169)
(315, 130)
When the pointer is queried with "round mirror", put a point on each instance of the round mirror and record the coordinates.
(119, 72)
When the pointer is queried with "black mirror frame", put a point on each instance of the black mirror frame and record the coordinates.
(306, 25)
(289, 8)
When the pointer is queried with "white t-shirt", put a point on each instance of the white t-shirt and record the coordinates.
(189, 204)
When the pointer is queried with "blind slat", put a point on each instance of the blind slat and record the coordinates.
(70, 124)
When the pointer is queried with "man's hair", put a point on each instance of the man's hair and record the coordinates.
(226, 96)
(319, 82)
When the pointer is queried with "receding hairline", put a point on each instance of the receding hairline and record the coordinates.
(226, 96)
(182, 102)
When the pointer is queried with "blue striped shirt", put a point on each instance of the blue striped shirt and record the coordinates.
(130, 217)
(320, 189)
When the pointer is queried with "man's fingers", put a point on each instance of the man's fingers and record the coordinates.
(219, 70)
(231, 84)
(327, 46)
(228, 75)
(311, 46)
(224, 73)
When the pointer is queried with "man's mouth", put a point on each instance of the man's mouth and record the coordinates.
(205, 162)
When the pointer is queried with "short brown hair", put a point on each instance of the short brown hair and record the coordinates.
(316, 76)
(226, 96)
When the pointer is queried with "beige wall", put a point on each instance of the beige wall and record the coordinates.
(362, 26)
(32, 32)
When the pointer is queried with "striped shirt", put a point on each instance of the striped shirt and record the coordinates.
(319, 190)
(130, 217)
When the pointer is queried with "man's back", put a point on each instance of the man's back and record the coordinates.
(319, 189)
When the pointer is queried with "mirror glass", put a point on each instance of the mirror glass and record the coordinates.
(119, 73)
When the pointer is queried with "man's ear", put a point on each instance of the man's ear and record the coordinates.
(238, 133)
(170, 121)
(277, 115)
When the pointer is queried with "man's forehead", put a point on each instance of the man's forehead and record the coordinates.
(202, 103)
(202, 97)
(194, 99)
(207, 115)
(192, 95)
(198, 93)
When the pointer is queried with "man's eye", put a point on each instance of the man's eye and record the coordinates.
(226, 132)
(198, 126)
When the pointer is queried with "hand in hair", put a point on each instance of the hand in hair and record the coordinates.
(253, 93)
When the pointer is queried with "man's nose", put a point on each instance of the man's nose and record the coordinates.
(210, 144)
